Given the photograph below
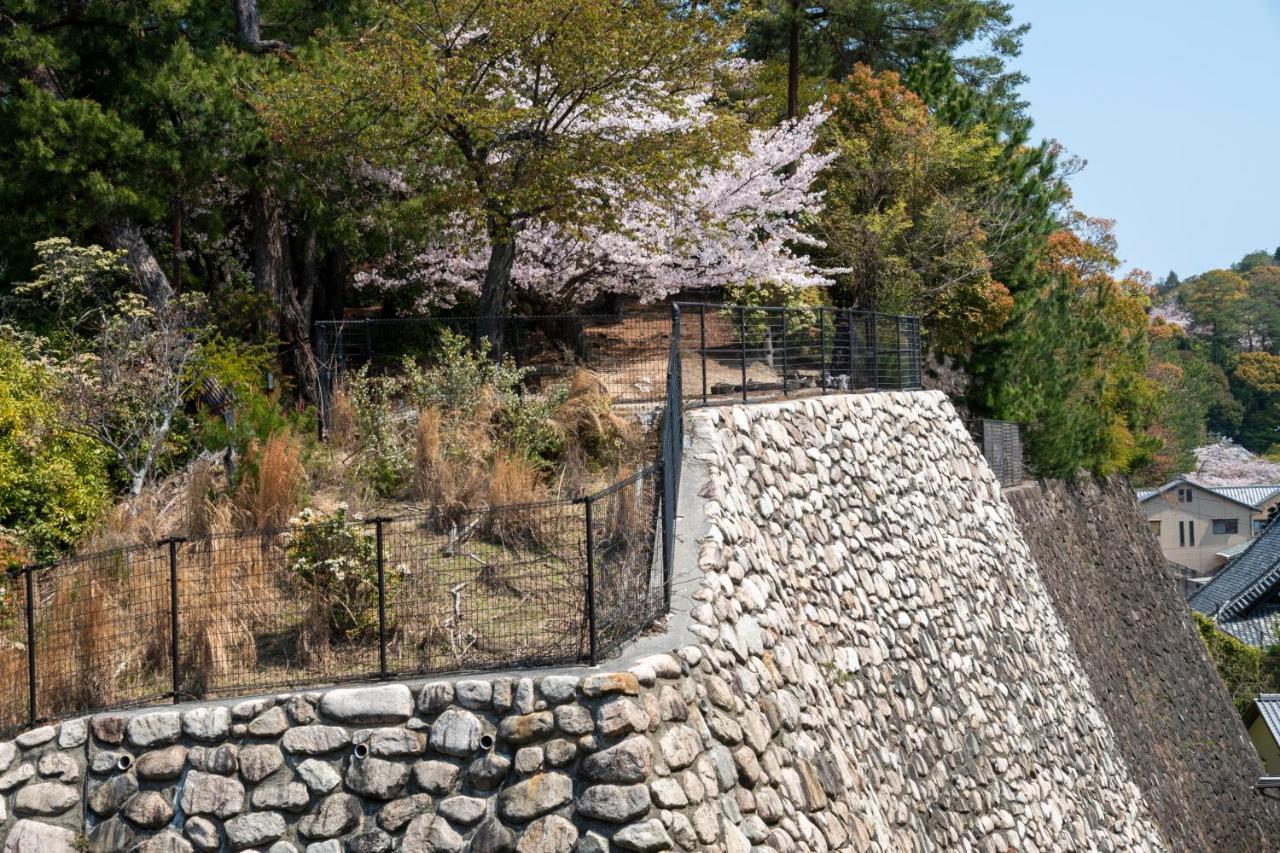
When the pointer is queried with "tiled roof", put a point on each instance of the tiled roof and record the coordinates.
(1257, 631)
(1244, 579)
(1251, 496)
(1234, 550)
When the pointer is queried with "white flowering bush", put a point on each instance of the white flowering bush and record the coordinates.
(337, 559)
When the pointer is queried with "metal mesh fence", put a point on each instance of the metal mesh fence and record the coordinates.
(743, 352)
(323, 603)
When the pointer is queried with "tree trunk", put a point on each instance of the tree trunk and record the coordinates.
(274, 276)
(127, 237)
(497, 281)
(793, 62)
(249, 28)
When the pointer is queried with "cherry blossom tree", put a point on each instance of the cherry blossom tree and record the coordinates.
(736, 223)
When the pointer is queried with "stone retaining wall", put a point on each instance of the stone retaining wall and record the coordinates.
(1173, 718)
(873, 664)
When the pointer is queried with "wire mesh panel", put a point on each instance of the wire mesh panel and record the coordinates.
(748, 352)
(14, 699)
(629, 355)
(101, 630)
(484, 589)
(626, 580)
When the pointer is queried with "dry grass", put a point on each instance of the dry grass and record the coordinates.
(449, 462)
(274, 483)
(343, 431)
(515, 480)
(591, 427)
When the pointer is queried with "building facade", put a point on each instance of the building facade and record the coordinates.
(1201, 527)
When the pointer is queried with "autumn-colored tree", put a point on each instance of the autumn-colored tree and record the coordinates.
(903, 216)
(1216, 302)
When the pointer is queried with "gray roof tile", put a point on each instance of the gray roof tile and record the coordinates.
(1244, 579)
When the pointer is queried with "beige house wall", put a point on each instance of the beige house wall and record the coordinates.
(1265, 744)
(1201, 512)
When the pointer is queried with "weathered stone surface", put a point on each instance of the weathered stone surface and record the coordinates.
(106, 798)
(550, 834)
(431, 833)
(558, 689)
(394, 815)
(594, 686)
(336, 815)
(574, 720)
(35, 737)
(474, 694)
(259, 761)
(252, 830)
(377, 778)
(203, 833)
(535, 796)
(613, 803)
(437, 777)
(110, 836)
(45, 799)
(374, 841)
(208, 724)
(210, 794)
(17, 776)
(315, 740)
(289, 797)
(71, 733)
(60, 766)
(621, 716)
(462, 810)
(492, 837)
(667, 794)
(223, 760)
(645, 837)
(320, 777)
(529, 759)
(161, 764)
(395, 742)
(269, 723)
(363, 706)
(680, 746)
(109, 728)
(629, 761)
(163, 842)
(435, 697)
(149, 809)
(456, 732)
(155, 729)
(28, 836)
(8, 754)
(523, 728)
(488, 771)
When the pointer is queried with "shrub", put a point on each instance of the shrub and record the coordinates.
(457, 375)
(53, 484)
(384, 458)
(1246, 670)
(336, 560)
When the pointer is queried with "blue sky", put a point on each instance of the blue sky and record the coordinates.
(1176, 106)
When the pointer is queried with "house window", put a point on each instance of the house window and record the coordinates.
(1184, 496)
(1191, 533)
(1226, 525)
(1155, 528)
(1182, 534)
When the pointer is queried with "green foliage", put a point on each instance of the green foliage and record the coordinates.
(1245, 670)
(1215, 301)
(461, 376)
(337, 561)
(241, 368)
(53, 484)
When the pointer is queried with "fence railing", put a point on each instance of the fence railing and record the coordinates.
(745, 352)
(1001, 443)
(433, 592)
(552, 583)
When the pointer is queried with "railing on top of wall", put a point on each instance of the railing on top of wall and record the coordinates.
(433, 592)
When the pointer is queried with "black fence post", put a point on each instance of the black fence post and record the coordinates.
(702, 347)
(591, 583)
(848, 313)
(875, 350)
(382, 596)
(822, 348)
(172, 542)
(368, 342)
(785, 391)
(31, 644)
(742, 336)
